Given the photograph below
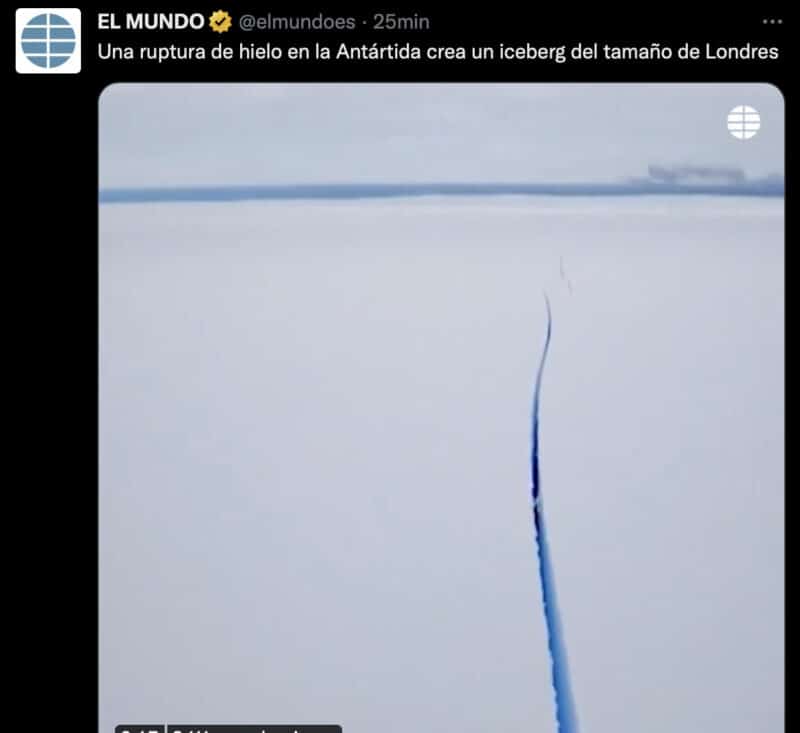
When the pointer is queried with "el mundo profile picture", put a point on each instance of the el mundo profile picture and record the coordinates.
(48, 40)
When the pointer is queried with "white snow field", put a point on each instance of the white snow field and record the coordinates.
(314, 478)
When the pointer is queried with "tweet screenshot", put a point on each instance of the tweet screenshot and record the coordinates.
(423, 372)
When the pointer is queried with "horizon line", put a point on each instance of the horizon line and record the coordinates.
(767, 187)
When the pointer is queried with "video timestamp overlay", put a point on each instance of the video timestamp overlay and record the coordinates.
(228, 729)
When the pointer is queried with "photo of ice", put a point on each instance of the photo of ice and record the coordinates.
(321, 313)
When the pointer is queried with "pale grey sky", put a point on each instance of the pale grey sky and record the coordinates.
(216, 134)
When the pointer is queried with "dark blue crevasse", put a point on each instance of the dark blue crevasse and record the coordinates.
(565, 706)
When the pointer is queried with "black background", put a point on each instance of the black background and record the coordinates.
(51, 326)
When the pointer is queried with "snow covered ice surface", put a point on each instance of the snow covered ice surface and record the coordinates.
(314, 443)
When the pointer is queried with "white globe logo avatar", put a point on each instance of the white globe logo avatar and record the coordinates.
(743, 122)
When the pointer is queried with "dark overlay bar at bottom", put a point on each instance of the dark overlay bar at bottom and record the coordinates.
(195, 728)
(254, 728)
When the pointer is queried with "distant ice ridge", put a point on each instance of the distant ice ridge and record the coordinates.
(679, 182)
